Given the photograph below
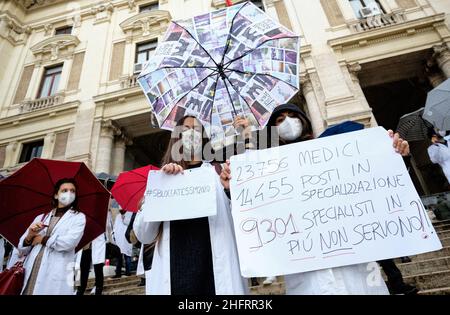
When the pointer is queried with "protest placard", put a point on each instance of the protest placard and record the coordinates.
(178, 197)
(325, 203)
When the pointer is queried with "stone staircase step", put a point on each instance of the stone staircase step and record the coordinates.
(428, 281)
(130, 290)
(444, 252)
(425, 266)
(439, 223)
(444, 227)
(109, 280)
(116, 285)
(445, 241)
(276, 288)
(438, 291)
(443, 234)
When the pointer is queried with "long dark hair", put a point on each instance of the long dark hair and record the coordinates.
(176, 137)
(58, 185)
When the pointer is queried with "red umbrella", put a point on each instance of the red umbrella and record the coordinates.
(130, 187)
(29, 192)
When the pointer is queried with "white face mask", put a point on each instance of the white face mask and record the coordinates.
(290, 129)
(66, 198)
(192, 141)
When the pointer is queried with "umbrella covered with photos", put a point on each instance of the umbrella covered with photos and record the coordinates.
(233, 62)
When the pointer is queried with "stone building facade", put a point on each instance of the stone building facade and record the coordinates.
(68, 72)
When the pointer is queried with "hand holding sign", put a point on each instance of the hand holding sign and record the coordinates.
(326, 203)
(183, 196)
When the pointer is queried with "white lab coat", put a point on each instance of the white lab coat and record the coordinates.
(55, 276)
(99, 249)
(120, 227)
(140, 267)
(440, 154)
(2, 253)
(14, 258)
(227, 277)
(360, 279)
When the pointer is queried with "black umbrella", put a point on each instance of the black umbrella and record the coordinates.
(412, 127)
(437, 108)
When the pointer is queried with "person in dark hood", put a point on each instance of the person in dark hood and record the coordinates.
(293, 126)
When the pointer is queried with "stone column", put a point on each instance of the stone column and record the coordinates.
(105, 147)
(11, 154)
(49, 145)
(354, 69)
(315, 114)
(120, 146)
(35, 82)
(128, 57)
(65, 74)
(442, 56)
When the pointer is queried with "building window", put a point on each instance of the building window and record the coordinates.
(63, 30)
(50, 81)
(144, 51)
(365, 8)
(149, 7)
(31, 150)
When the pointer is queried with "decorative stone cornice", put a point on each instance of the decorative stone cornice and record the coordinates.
(48, 29)
(306, 84)
(102, 12)
(123, 139)
(379, 35)
(55, 47)
(354, 68)
(110, 129)
(377, 21)
(143, 22)
(13, 31)
(131, 4)
(441, 52)
(39, 115)
(33, 4)
(41, 103)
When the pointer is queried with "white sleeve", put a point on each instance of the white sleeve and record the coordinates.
(69, 240)
(25, 250)
(435, 154)
(145, 232)
(127, 218)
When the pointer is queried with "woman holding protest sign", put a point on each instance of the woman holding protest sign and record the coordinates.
(293, 126)
(194, 256)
